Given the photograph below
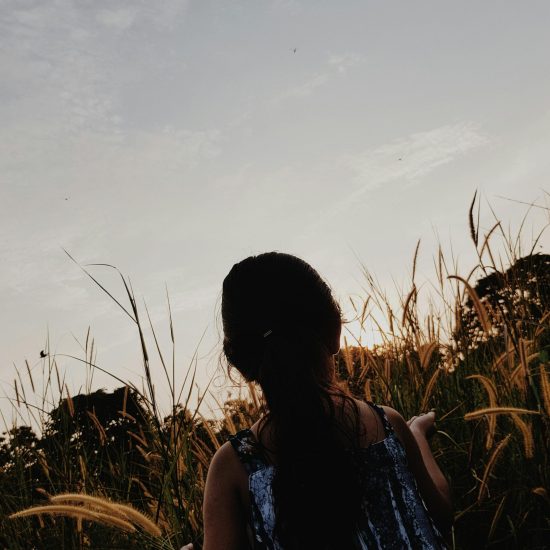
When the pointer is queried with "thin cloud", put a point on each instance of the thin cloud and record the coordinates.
(409, 159)
(120, 18)
(342, 62)
(403, 162)
(123, 17)
(303, 89)
(336, 64)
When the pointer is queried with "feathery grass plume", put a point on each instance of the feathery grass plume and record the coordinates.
(70, 403)
(367, 390)
(425, 353)
(481, 310)
(542, 324)
(523, 356)
(57, 376)
(16, 392)
(92, 502)
(75, 511)
(347, 354)
(519, 381)
(473, 231)
(100, 429)
(499, 361)
(429, 389)
(411, 298)
(211, 433)
(123, 511)
(125, 400)
(486, 241)
(362, 317)
(82, 464)
(139, 518)
(363, 365)
(415, 259)
(139, 439)
(490, 465)
(492, 395)
(525, 429)
(387, 376)
(30, 375)
(545, 387)
(497, 410)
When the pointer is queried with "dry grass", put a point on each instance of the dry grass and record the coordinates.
(483, 366)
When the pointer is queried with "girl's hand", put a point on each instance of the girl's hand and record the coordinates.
(424, 423)
(187, 547)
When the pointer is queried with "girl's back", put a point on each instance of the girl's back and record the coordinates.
(393, 513)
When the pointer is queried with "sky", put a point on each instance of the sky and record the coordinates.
(172, 139)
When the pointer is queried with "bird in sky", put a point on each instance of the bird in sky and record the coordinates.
(43, 354)
(294, 50)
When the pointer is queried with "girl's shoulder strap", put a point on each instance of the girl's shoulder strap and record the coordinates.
(248, 450)
(385, 422)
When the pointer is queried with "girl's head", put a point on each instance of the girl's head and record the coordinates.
(276, 300)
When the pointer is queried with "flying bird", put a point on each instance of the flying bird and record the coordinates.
(43, 354)
(294, 50)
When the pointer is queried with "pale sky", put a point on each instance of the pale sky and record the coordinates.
(173, 138)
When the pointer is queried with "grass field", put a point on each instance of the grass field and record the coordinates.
(109, 470)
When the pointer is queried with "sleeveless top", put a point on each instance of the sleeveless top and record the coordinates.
(395, 516)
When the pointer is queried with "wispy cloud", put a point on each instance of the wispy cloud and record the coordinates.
(65, 61)
(343, 61)
(124, 15)
(335, 64)
(68, 81)
(119, 18)
(400, 163)
(408, 160)
(303, 89)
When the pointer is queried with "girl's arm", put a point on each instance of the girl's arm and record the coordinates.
(431, 482)
(223, 514)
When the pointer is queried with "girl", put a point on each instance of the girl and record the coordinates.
(320, 469)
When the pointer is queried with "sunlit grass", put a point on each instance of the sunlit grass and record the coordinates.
(482, 363)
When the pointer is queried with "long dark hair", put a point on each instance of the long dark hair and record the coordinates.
(281, 329)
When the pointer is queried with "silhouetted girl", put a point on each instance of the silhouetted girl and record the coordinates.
(320, 469)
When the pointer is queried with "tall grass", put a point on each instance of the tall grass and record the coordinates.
(482, 363)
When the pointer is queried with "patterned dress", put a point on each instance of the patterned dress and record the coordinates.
(395, 518)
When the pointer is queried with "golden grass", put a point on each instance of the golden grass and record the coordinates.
(429, 389)
(492, 395)
(498, 373)
(526, 432)
(78, 512)
(497, 410)
(102, 505)
(481, 310)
